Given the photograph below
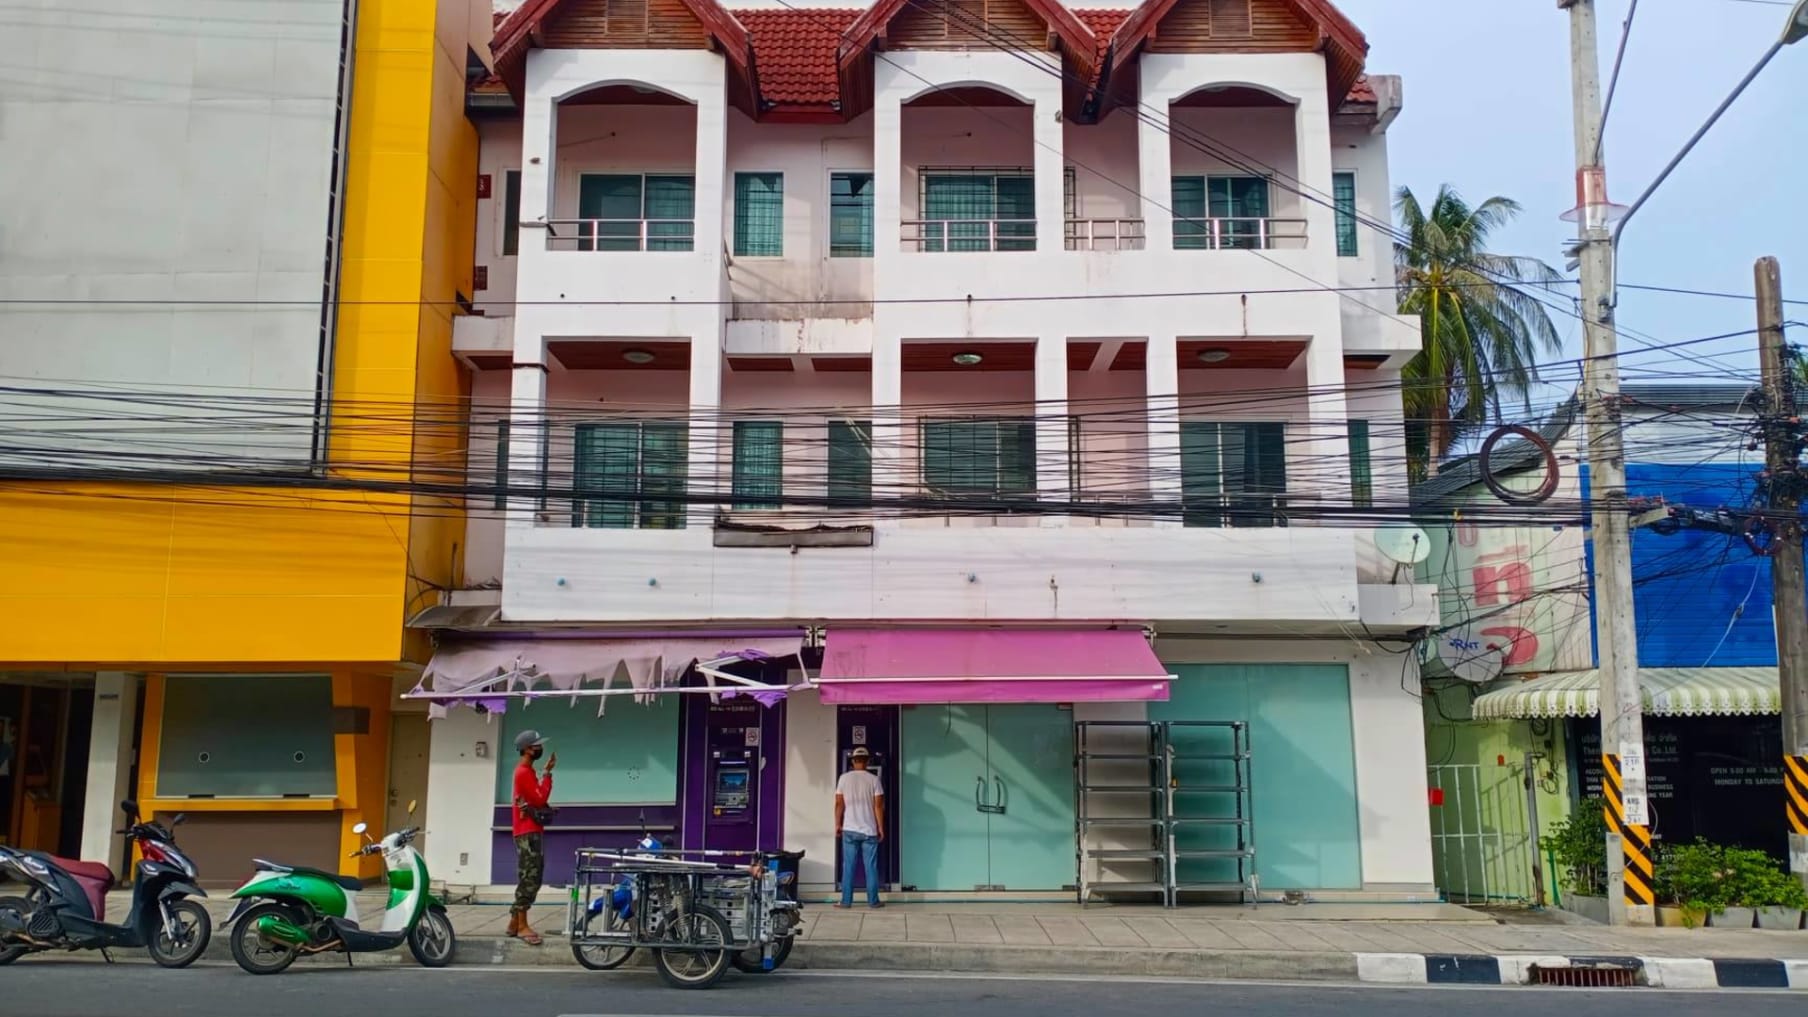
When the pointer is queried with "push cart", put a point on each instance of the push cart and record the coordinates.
(698, 912)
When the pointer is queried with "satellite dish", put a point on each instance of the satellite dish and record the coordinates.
(1470, 656)
(1402, 545)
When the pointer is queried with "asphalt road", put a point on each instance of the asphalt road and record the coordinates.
(78, 989)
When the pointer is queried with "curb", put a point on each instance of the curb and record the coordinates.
(1216, 965)
(1517, 969)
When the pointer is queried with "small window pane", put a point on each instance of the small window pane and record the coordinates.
(851, 460)
(1343, 194)
(1362, 467)
(1189, 214)
(851, 215)
(671, 208)
(759, 464)
(759, 215)
(511, 222)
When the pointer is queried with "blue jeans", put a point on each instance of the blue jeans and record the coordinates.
(867, 849)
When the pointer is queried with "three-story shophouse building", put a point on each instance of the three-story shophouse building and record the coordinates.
(968, 374)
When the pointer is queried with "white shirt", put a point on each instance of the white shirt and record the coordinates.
(859, 790)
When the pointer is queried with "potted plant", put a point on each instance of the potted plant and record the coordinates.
(1578, 845)
(1691, 883)
(1775, 898)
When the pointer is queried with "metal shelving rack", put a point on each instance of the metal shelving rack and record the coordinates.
(1172, 805)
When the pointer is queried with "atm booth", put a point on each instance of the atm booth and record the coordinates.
(733, 798)
(874, 728)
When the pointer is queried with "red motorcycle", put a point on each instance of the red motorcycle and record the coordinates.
(65, 901)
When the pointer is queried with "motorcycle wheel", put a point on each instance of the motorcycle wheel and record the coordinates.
(701, 962)
(748, 960)
(249, 949)
(194, 928)
(593, 956)
(432, 940)
(21, 907)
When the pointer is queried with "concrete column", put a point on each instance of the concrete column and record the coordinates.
(1161, 379)
(711, 171)
(1155, 171)
(890, 477)
(110, 755)
(888, 178)
(463, 755)
(1053, 456)
(1049, 134)
(528, 425)
(539, 149)
(1312, 140)
(709, 439)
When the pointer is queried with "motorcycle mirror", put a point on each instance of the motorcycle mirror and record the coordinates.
(411, 804)
(360, 828)
(178, 819)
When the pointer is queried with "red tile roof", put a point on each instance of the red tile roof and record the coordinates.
(1104, 23)
(794, 52)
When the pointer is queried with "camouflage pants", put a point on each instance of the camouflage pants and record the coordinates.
(530, 855)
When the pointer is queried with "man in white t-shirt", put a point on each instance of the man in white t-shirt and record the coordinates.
(860, 824)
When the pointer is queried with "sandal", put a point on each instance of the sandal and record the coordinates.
(531, 938)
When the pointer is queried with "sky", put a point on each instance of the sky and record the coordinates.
(1488, 110)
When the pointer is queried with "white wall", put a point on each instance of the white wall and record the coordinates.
(810, 773)
(163, 156)
(786, 287)
(1388, 726)
(461, 795)
(110, 755)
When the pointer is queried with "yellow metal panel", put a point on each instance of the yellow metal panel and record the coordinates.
(144, 576)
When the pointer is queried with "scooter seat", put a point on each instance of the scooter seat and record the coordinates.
(98, 872)
(351, 883)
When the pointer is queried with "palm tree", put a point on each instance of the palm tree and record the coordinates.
(1482, 329)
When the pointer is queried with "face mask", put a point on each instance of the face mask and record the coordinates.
(536, 752)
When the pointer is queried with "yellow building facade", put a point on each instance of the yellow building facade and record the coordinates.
(155, 593)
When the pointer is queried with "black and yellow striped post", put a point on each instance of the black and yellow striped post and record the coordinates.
(1635, 840)
(1795, 793)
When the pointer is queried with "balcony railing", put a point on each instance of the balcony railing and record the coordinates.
(1238, 234)
(943, 235)
(1104, 234)
(620, 234)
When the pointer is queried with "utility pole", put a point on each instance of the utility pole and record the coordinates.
(1782, 436)
(1630, 898)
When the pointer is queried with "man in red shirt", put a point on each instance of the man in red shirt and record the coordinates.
(532, 792)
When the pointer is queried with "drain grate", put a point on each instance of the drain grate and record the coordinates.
(1602, 976)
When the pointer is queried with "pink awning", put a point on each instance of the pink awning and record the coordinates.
(881, 666)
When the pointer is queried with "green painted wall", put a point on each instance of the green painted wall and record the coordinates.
(1486, 796)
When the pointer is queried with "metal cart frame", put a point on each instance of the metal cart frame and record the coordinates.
(675, 894)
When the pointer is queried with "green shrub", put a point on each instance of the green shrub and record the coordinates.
(1579, 846)
(1710, 877)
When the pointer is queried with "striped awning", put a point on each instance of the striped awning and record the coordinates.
(1666, 691)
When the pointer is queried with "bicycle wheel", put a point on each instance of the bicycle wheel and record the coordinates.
(701, 948)
(597, 956)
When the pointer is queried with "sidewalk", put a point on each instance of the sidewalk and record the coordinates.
(1312, 942)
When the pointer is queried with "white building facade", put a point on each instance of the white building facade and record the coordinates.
(1019, 329)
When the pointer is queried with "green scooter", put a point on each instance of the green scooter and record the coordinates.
(288, 911)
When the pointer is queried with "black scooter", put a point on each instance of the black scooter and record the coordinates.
(64, 907)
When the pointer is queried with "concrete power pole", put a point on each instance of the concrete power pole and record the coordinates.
(1781, 458)
(1630, 897)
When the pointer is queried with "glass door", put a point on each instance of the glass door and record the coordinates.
(943, 833)
(1030, 763)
